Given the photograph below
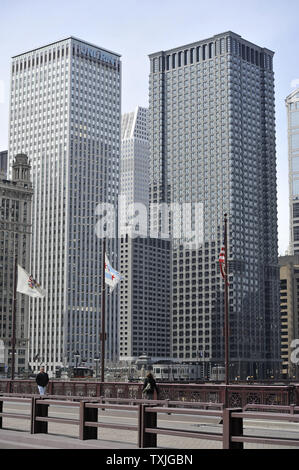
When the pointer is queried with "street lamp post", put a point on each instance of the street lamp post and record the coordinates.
(226, 307)
(14, 309)
(103, 333)
(223, 260)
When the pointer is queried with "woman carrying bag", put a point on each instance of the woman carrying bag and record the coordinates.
(149, 387)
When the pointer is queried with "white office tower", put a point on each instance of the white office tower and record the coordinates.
(135, 156)
(65, 115)
(292, 104)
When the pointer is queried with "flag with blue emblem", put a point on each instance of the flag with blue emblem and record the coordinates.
(112, 277)
(27, 285)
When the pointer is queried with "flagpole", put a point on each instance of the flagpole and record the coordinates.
(103, 334)
(226, 314)
(14, 312)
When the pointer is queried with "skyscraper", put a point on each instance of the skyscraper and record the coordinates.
(65, 114)
(292, 104)
(144, 323)
(135, 156)
(144, 314)
(212, 141)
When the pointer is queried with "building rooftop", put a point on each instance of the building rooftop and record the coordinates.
(205, 40)
(289, 259)
(65, 39)
(292, 97)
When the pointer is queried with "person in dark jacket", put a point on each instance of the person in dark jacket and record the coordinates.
(42, 380)
(149, 386)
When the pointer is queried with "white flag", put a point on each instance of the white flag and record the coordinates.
(112, 277)
(27, 285)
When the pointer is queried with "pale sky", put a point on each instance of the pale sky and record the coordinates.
(135, 29)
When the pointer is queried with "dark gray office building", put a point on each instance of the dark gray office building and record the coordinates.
(212, 141)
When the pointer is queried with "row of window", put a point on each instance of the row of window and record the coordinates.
(39, 59)
(208, 51)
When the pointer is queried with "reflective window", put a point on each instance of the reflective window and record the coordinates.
(295, 119)
(296, 210)
(295, 187)
(295, 163)
(295, 141)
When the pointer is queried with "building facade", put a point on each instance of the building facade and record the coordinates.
(144, 326)
(289, 311)
(144, 323)
(134, 181)
(15, 242)
(292, 104)
(212, 142)
(65, 112)
(3, 164)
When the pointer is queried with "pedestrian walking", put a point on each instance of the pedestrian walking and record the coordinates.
(149, 386)
(42, 380)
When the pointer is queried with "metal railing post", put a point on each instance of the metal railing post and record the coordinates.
(292, 410)
(140, 431)
(38, 410)
(232, 427)
(50, 388)
(146, 420)
(87, 414)
(102, 400)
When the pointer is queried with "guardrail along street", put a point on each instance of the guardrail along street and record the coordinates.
(230, 429)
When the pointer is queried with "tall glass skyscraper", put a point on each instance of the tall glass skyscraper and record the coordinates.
(134, 156)
(292, 104)
(212, 141)
(65, 114)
